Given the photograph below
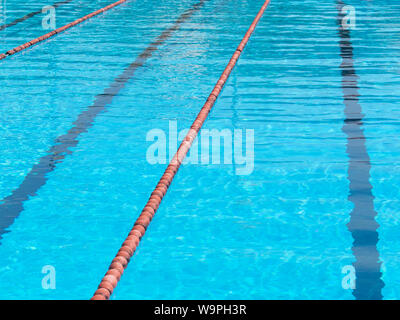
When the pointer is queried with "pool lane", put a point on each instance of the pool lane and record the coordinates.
(12, 205)
(274, 234)
(278, 233)
(362, 225)
(99, 70)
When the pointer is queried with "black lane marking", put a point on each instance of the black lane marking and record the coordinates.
(362, 225)
(11, 206)
(30, 15)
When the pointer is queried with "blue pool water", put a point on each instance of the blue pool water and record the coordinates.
(279, 233)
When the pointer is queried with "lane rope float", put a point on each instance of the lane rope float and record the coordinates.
(121, 260)
(58, 30)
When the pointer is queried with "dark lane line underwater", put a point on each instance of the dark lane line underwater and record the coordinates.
(12, 205)
(362, 225)
(30, 15)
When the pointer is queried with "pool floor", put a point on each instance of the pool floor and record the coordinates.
(311, 213)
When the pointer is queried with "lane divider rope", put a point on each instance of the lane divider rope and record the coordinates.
(120, 262)
(58, 30)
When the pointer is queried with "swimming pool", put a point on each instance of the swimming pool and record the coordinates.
(319, 203)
